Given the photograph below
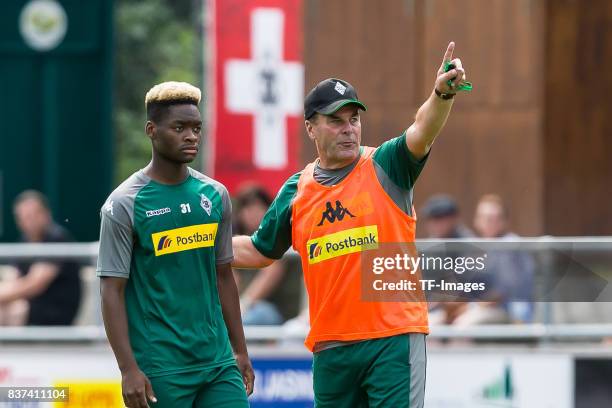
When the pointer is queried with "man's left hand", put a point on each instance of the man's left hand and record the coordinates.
(456, 76)
(246, 369)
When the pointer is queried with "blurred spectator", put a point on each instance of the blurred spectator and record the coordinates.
(12, 313)
(441, 215)
(296, 329)
(509, 274)
(52, 288)
(257, 287)
(442, 221)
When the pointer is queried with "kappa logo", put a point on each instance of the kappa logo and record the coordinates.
(161, 211)
(341, 89)
(332, 214)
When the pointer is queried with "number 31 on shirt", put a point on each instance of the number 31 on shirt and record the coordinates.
(185, 208)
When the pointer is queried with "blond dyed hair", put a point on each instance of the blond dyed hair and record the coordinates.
(172, 91)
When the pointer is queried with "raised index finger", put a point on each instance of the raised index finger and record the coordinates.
(448, 55)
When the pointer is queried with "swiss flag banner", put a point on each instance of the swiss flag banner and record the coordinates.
(256, 91)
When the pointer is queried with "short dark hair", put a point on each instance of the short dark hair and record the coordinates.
(314, 118)
(156, 111)
(439, 206)
(31, 195)
(251, 194)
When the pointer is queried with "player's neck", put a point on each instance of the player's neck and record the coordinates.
(166, 172)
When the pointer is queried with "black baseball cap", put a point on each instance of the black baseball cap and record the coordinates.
(439, 206)
(330, 95)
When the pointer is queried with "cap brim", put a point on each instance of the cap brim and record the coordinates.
(334, 107)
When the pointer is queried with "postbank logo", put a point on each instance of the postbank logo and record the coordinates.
(341, 243)
(164, 242)
(183, 239)
(314, 250)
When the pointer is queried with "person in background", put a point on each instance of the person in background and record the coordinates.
(51, 288)
(256, 286)
(442, 220)
(12, 313)
(509, 273)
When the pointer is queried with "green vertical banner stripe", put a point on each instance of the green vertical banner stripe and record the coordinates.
(56, 109)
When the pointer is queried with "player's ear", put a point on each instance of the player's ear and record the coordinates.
(150, 129)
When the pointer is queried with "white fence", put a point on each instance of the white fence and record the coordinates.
(548, 330)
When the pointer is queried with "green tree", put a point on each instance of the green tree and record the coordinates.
(155, 41)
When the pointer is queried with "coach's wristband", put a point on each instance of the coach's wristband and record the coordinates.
(445, 96)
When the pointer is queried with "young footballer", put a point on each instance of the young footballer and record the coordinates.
(169, 300)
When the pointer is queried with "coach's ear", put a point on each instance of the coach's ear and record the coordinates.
(150, 129)
(309, 124)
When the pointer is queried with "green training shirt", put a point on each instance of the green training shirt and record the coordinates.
(166, 240)
(396, 169)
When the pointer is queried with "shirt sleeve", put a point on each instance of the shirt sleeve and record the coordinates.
(273, 237)
(223, 241)
(116, 241)
(400, 165)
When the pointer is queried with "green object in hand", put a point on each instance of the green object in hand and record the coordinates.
(466, 86)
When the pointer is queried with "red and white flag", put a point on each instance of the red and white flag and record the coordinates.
(256, 91)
